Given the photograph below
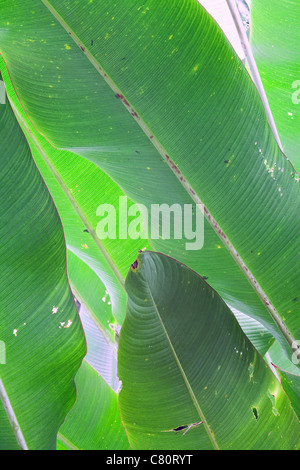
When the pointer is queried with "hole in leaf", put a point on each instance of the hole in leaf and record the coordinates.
(186, 428)
(180, 428)
(135, 264)
(255, 412)
(273, 401)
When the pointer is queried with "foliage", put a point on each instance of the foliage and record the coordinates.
(135, 103)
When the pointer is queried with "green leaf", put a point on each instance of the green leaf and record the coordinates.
(275, 40)
(191, 379)
(70, 180)
(102, 351)
(288, 374)
(78, 187)
(282, 362)
(258, 335)
(94, 422)
(291, 385)
(35, 298)
(90, 291)
(219, 10)
(212, 143)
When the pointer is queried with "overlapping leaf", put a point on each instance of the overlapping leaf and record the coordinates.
(275, 40)
(94, 422)
(190, 377)
(35, 301)
(74, 108)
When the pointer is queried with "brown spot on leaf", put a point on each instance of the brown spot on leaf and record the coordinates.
(135, 264)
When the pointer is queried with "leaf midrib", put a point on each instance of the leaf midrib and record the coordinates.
(12, 417)
(186, 381)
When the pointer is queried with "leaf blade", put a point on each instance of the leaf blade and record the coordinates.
(228, 378)
(35, 296)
